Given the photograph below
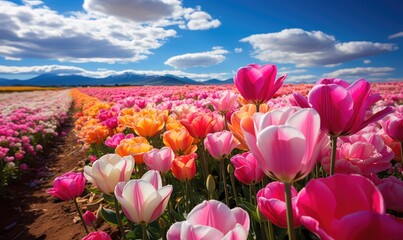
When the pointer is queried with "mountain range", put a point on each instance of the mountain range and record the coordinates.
(113, 80)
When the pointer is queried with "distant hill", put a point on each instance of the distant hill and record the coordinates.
(113, 80)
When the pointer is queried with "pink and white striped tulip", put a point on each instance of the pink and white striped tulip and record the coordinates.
(143, 200)
(285, 141)
(212, 220)
(108, 170)
(220, 144)
(159, 159)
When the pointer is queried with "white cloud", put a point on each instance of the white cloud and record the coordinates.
(369, 73)
(200, 59)
(135, 10)
(102, 72)
(396, 35)
(238, 50)
(366, 61)
(34, 30)
(301, 78)
(199, 20)
(314, 48)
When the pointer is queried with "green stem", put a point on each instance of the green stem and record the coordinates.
(225, 120)
(333, 140)
(122, 231)
(234, 189)
(271, 230)
(290, 221)
(144, 230)
(224, 181)
(80, 214)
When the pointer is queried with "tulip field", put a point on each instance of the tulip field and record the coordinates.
(258, 159)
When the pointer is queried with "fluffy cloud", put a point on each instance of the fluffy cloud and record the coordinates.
(33, 30)
(238, 50)
(200, 59)
(135, 10)
(199, 20)
(369, 73)
(314, 48)
(101, 73)
(396, 35)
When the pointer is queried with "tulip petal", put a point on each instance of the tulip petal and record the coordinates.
(283, 148)
(334, 104)
(199, 232)
(241, 217)
(153, 177)
(214, 214)
(238, 233)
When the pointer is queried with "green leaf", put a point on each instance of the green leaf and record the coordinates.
(251, 209)
(109, 216)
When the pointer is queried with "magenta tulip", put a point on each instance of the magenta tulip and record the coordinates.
(271, 202)
(89, 218)
(394, 127)
(212, 220)
(143, 200)
(220, 144)
(341, 106)
(247, 169)
(159, 159)
(392, 191)
(346, 207)
(257, 84)
(68, 186)
(285, 141)
(98, 235)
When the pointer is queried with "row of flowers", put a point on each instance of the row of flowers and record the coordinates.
(233, 162)
(28, 121)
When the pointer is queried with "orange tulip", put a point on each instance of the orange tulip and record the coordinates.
(180, 141)
(184, 167)
(236, 117)
(135, 147)
(148, 126)
(95, 134)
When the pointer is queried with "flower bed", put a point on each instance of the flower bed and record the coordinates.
(256, 160)
(28, 121)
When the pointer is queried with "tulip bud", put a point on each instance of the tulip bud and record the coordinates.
(210, 184)
(89, 218)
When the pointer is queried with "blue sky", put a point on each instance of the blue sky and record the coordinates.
(202, 39)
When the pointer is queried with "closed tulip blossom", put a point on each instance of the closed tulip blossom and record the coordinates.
(271, 202)
(346, 207)
(180, 141)
(247, 169)
(342, 106)
(184, 167)
(199, 124)
(143, 200)
(68, 186)
(159, 159)
(89, 218)
(220, 144)
(256, 83)
(284, 141)
(108, 170)
(212, 220)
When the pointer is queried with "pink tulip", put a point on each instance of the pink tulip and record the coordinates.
(220, 144)
(98, 235)
(271, 202)
(225, 102)
(341, 106)
(143, 200)
(212, 220)
(394, 127)
(362, 153)
(392, 191)
(247, 169)
(257, 84)
(108, 170)
(68, 186)
(346, 207)
(89, 218)
(114, 141)
(160, 160)
(285, 141)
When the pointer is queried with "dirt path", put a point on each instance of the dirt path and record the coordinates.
(28, 212)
